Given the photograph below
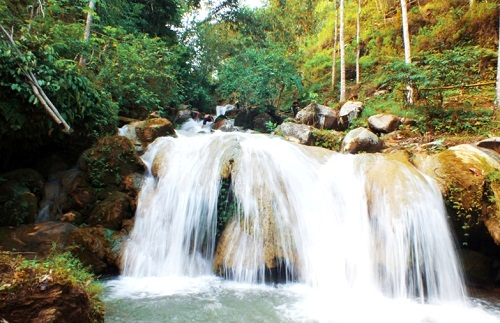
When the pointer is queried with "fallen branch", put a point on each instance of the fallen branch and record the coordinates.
(38, 91)
(450, 87)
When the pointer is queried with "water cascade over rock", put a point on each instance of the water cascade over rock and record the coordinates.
(339, 223)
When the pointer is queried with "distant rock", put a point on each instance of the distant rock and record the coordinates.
(383, 123)
(348, 112)
(319, 116)
(361, 140)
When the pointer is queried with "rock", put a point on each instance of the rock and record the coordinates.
(245, 119)
(20, 192)
(361, 140)
(299, 133)
(477, 269)
(56, 303)
(490, 143)
(147, 131)
(348, 112)
(111, 212)
(383, 123)
(261, 121)
(95, 247)
(468, 177)
(182, 116)
(318, 116)
(108, 161)
(223, 125)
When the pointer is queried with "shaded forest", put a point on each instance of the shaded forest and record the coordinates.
(91, 61)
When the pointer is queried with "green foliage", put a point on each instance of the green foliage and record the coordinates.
(226, 205)
(326, 139)
(139, 72)
(255, 76)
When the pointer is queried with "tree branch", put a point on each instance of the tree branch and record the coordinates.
(38, 91)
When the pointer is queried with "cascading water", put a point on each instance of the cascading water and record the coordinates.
(353, 231)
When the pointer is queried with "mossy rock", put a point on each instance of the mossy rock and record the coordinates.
(464, 175)
(147, 131)
(20, 192)
(107, 162)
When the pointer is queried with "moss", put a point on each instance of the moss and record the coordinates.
(57, 287)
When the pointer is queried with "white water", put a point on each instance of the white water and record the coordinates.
(364, 238)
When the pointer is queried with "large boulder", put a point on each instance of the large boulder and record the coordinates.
(318, 116)
(469, 178)
(348, 112)
(361, 140)
(299, 133)
(20, 192)
(383, 123)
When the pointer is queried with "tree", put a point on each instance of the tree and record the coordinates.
(334, 54)
(262, 75)
(342, 53)
(407, 48)
(498, 65)
(358, 51)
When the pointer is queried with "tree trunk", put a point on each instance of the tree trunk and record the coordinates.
(334, 54)
(280, 94)
(342, 53)
(406, 40)
(498, 65)
(358, 51)
(88, 25)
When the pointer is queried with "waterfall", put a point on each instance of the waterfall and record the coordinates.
(342, 224)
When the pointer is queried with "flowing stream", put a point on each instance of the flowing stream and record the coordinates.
(344, 238)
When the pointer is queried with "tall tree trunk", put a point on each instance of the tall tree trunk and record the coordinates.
(406, 40)
(88, 25)
(358, 51)
(280, 94)
(342, 53)
(498, 65)
(334, 54)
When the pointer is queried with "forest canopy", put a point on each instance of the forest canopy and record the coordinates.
(137, 56)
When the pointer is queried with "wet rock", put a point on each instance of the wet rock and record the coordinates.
(147, 131)
(223, 125)
(361, 140)
(468, 178)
